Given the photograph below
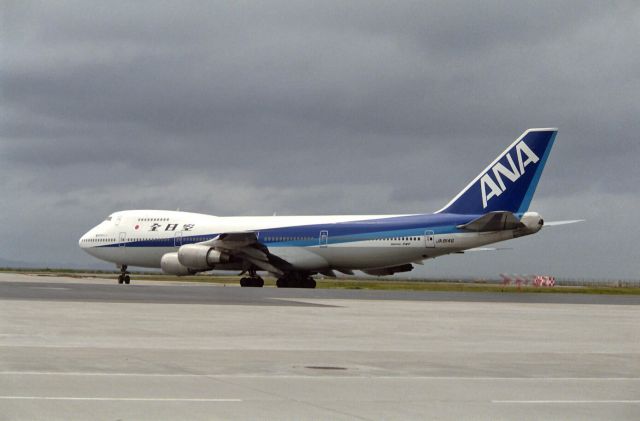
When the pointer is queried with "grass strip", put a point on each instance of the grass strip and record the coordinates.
(351, 283)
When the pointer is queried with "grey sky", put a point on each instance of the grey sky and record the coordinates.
(318, 107)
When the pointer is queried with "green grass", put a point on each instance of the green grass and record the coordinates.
(472, 287)
(52, 270)
(350, 283)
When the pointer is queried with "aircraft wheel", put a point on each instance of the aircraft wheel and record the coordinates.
(296, 282)
(123, 278)
(252, 282)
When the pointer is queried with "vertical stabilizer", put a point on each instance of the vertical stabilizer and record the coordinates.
(509, 182)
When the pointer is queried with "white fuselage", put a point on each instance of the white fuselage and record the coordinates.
(311, 243)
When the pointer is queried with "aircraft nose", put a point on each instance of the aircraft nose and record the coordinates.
(82, 242)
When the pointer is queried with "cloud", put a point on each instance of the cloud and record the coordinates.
(327, 107)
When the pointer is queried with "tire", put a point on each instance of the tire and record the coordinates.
(252, 282)
(127, 279)
(121, 279)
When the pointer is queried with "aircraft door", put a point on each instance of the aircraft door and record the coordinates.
(177, 239)
(324, 238)
(122, 239)
(429, 239)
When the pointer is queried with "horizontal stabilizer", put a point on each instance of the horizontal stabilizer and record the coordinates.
(556, 223)
(492, 221)
(483, 249)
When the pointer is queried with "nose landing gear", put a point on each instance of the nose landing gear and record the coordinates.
(124, 278)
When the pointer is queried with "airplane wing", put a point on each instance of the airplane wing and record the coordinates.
(492, 221)
(389, 270)
(245, 246)
(233, 240)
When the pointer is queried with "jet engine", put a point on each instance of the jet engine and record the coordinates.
(170, 265)
(200, 256)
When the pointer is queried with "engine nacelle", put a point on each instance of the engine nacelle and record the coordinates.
(200, 257)
(170, 265)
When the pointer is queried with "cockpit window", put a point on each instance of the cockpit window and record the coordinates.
(108, 218)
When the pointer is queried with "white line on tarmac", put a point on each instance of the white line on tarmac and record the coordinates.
(569, 401)
(99, 398)
(286, 376)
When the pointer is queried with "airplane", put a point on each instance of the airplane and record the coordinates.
(493, 207)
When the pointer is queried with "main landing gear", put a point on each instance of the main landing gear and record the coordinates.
(257, 282)
(296, 280)
(253, 280)
(124, 275)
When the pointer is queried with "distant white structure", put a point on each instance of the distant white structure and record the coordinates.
(534, 280)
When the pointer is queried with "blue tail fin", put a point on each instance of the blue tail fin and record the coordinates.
(509, 182)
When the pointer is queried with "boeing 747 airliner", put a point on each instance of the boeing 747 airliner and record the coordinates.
(491, 208)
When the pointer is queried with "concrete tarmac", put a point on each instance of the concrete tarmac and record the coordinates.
(88, 349)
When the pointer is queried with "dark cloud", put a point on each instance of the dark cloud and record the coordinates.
(328, 107)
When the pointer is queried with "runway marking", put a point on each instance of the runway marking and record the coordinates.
(570, 401)
(99, 398)
(286, 376)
